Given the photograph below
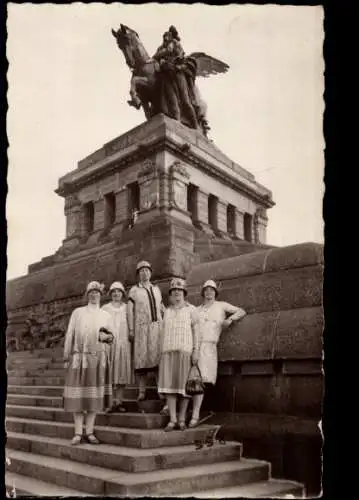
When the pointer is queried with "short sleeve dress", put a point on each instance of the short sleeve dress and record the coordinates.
(210, 326)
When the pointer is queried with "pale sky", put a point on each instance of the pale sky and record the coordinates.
(69, 83)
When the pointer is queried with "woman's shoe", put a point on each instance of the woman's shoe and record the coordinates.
(141, 397)
(193, 423)
(171, 426)
(182, 426)
(92, 439)
(120, 408)
(112, 409)
(77, 439)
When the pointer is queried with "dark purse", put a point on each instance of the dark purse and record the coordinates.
(108, 339)
(194, 384)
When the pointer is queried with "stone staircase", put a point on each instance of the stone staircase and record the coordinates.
(135, 457)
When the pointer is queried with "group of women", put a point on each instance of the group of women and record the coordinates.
(105, 347)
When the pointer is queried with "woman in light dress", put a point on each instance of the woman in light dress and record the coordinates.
(144, 309)
(214, 317)
(120, 353)
(179, 351)
(88, 387)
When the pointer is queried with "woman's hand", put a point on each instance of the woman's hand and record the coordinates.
(66, 364)
(226, 323)
(194, 358)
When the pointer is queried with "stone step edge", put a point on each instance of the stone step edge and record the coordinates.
(115, 449)
(272, 488)
(28, 486)
(123, 430)
(132, 478)
(54, 409)
(136, 419)
(51, 398)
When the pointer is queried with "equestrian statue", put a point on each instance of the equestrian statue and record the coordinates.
(165, 83)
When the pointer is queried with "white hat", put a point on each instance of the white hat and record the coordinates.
(211, 284)
(143, 264)
(178, 284)
(117, 285)
(94, 285)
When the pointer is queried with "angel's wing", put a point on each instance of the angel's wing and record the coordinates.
(208, 65)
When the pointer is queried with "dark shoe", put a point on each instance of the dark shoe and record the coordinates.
(141, 397)
(112, 409)
(92, 439)
(171, 426)
(182, 426)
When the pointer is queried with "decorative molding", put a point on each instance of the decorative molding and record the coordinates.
(148, 167)
(177, 167)
(173, 147)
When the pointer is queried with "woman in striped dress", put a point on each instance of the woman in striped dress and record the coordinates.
(145, 321)
(180, 350)
(121, 346)
(88, 388)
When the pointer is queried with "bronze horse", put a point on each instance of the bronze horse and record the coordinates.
(145, 89)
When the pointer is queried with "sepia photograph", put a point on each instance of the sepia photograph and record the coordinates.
(165, 254)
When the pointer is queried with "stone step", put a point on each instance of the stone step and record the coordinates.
(148, 406)
(28, 486)
(96, 480)
(56, 381)
(131, 392)
(51, 352)
(33, 362)
(119, 436)
(36, 372)
(274, 488)
(36, 390)
(130, 420)
(124, 458)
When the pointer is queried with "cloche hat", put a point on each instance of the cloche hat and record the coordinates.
(211, 284)
(143, 264)
(117, 285)
(94, 285)
(178, 284)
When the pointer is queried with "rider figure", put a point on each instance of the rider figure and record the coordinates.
(171, 57)
(171, 48)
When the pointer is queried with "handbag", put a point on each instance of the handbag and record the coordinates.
(105, 336)
(194, 384)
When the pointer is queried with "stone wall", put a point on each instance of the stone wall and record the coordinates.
(270, 386)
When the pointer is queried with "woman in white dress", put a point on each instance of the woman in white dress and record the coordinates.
(179, 351)
(120, 354)
(214, 317)
(88, 388)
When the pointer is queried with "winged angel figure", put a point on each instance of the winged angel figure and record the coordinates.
(165, 83)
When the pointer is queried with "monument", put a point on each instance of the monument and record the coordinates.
(164, 192)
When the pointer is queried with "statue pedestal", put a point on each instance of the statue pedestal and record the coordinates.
(159, 192)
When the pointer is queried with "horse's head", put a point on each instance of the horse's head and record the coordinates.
(129, 42)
